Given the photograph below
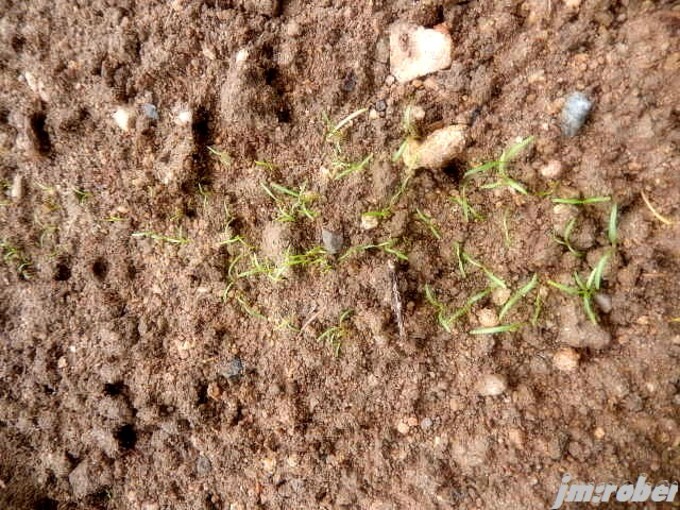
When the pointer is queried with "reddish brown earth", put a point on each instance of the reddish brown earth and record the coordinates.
(119, 357)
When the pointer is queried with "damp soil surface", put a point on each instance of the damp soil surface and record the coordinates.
(169, 341)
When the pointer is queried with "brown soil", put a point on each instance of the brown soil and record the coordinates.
(121, 381)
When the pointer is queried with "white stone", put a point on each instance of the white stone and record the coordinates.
(184, 116)
(492, 385)
(417, 51)
(487, 318)
(551, 170)
(437, 150)
(368, 222)
(566, 359)
(124, 118)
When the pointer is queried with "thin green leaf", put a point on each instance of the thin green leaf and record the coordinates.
(514, 299)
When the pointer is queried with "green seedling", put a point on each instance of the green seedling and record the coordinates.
(333, 336)
(506, 229)
(445, 319)
(410, 130)
(538, 307)
(612, 231)
(581, 201)
(179, 239)
(316, 256)
(388, 211)
(495, 330)
(500, 168)
(429, 223)
(291, 204)
(239, 298)
(223, 157)
(204, 194)
(114, 219)
(466, 258)
(465, 207)
(342, 168)
(82, 195)
(517, 296)
(231, 238)
(439, 307)
(335, 132)
(458, 250)
(656, 213)
(586, 289)
(267, 165)
(566, 238)
(14, 256)
(386, 247)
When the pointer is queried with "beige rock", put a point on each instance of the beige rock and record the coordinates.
(492, 385)
(566, 359)
(417, 51)
(437, 150)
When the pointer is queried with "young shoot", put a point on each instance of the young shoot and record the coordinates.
(336, 132)
(461, 201)
(656, 213)
(587, 289)
(178, 239)
(291, 204)
(495, 330)
(223, 157)
(517, 296)
(14, 256)
(612, 231)
(581, 201)
(428, 221)
(566, 238)
(333, 335)
(500, 168)
(387, 247)
(344, 168)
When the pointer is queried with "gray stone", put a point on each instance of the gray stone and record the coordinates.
(332, 241)
(574, 113)
(233, 368)
(203, 465)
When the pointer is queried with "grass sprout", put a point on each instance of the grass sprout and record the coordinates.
(344, 168)
(333, 335)
(503, 328)
(428, 221)
(335, 132)
(612, 231)
(82, 195)
(500, 168)
(656, 213)
(267, 165)
(445, 319)
(179, 239)
(506, 229)
(517, 296)
(465, 207)
(581, 201)
(291, 204)
(222, 156)
(387, 247)
(496, 281)
(565, 240)
(586, 289)
(388, 211)
(15, 257)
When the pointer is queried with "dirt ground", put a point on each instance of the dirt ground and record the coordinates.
(154, 371)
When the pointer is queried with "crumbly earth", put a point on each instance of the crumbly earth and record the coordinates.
(132, 380)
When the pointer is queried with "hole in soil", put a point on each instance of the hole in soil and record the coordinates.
(284, 115)
(126, 436)
(270, 75)
(62, 271)
(455, 170)
(37, 124)
(202, 395)
(46, 504)
(99, 268)
(114, 389)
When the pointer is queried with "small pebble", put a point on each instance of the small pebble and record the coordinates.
(184, 117)
(332, 241)
(426, 424)
(604, 302)
(403, 428)
(203, 465)
(293, 29)
(574, 113)
(500, 295)
(17, 191)
(389, 81)
(380, 105)
(487, 318)
(124, 118)
(599, 433)
(566, 359)
(150, 111)
(368, 222)
(492, 385)
(552, 170)
(233, 369)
